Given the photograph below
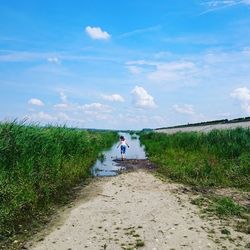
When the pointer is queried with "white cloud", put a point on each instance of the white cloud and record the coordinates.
(61, 106)
(54, 60)
(113, 98)
(65, 104)
(202, 39)
(184, 109)
(26, 56)
(21, 56)
(42, 116)
(243, 96)
(139, 62)
(161, 72)
(75, 114)
(96, 107)
(141, 31)
(91, 112)
(246, 51)
(96, 33)
(224, 115)
(142, 99)
(162, 54)
(215, 5)
(172, 71)
(63, 116)
(137, 120)
(36, 102)
(96, 111)
(50, 118)
(211, 67)
(63, 97)
(135, 70)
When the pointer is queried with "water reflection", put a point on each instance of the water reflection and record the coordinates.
(107, 167)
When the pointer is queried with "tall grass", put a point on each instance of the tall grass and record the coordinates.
(38, 165)
(218, 158)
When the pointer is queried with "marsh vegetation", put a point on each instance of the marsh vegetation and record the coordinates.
(38, 166)
(218, 158)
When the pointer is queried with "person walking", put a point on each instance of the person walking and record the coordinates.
(123, 145)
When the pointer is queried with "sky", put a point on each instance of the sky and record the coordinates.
(124, 64)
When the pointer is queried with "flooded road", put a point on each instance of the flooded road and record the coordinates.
(108, 166)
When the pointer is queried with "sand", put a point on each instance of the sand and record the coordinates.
(134, 210)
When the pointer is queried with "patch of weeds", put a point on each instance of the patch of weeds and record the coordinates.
(244, 225)
(225, 231)
(200, 201)
(136, 235)
(217, 241)
(131, 232)
(211, 231)
(231, 239)
(224, 206)
(139, 243)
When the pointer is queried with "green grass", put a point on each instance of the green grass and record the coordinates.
(38, 165)
(225, 208)
(219, 158)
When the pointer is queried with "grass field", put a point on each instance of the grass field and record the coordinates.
(218, 158)
(38, 165)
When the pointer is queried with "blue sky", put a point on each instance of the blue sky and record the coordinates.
(124, 64)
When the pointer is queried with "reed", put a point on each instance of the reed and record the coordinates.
(218, 158)
(38, 165)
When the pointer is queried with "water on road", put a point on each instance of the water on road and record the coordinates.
(108, 167)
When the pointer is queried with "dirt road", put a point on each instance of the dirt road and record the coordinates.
(134, 210)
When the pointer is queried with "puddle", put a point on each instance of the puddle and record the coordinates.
(109, 165)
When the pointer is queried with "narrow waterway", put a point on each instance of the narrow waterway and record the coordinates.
(107, 166)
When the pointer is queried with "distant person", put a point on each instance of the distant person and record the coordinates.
(123, 145)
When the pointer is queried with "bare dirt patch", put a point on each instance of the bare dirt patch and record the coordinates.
(135, 164)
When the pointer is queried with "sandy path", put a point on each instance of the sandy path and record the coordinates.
(131, 209)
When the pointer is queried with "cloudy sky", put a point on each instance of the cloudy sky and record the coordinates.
(124, 64)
